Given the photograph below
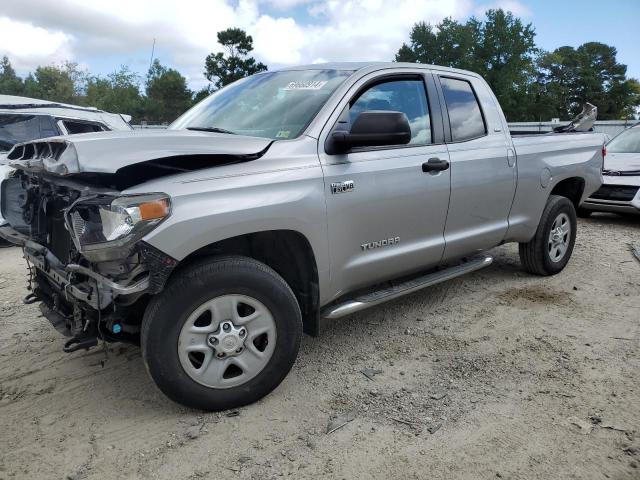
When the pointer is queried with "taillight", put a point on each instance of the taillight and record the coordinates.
(604, 152)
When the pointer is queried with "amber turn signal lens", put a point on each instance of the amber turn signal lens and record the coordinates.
(154, 210)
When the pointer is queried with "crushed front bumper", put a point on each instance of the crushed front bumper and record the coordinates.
(97, 296)
(83, 303)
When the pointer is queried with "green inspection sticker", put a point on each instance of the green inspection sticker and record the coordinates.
(283, 134)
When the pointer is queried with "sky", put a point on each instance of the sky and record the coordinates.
(103, 35)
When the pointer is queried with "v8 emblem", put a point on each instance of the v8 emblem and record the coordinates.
(343, 187)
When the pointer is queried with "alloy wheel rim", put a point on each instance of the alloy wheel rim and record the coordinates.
(559, 238)
(227, 341)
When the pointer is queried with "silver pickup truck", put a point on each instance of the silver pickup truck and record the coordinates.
(284, 199)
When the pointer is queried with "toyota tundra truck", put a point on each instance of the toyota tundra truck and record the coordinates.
(282, 201)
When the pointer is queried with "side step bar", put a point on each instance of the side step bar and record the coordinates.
(398, 290)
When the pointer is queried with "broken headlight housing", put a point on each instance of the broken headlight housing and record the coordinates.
(103, 227)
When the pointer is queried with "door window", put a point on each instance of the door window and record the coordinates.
(74, 127)
(18, 128)
(465, 115)
(407, 96)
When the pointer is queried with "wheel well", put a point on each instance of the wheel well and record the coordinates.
(572, 188)
(286, 251)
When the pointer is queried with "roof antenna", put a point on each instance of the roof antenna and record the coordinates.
(153, 48)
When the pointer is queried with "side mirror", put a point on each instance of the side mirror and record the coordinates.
(372, 128)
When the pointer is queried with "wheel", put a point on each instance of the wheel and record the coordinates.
(550, 249)
(224, 333)
(583, 212)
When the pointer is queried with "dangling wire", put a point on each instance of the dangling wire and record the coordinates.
(30, 269)
(100, 334)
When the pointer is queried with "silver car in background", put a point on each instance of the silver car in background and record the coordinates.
(620, 191)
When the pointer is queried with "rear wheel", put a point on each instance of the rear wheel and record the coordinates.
(550, 249)
(223, 334)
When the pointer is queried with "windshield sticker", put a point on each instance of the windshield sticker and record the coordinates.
(283, 134)
(309, 85)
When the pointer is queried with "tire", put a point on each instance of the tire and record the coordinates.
(540, 256)
(168, 326)
(583, 213)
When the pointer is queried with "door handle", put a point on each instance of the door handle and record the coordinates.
(435, 165)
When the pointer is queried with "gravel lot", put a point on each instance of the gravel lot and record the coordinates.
(498, 374)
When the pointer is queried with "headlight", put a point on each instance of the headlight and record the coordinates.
(104, 222)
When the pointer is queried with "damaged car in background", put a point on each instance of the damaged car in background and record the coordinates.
(23, 119)
(281, 200)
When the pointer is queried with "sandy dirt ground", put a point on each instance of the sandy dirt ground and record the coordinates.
(498, 374)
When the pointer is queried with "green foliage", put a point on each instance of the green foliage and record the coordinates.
(10, 83)
(201, 95)
(450, 44)
(118, 93)
(568, 77)
(166, 93)
(223, 68)
(500, 48)
(168, 96)
(530, 84)
(61, 83)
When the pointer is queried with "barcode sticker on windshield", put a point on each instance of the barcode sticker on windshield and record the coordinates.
(310, 85)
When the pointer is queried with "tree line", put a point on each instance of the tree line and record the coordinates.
(159, 97)
(530, 83)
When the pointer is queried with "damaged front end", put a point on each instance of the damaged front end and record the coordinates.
(89, 268)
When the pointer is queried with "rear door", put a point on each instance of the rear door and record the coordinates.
(483, 173)
(385, 215)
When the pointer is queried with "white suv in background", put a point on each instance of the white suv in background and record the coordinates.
(620, 191)
(23, 119)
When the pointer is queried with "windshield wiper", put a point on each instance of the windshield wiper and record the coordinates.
(212, 129)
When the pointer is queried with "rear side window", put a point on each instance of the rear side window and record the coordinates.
(18, 128)
(406, 96)
(81, 127)
(465, 115)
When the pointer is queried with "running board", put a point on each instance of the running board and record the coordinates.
(398, 290)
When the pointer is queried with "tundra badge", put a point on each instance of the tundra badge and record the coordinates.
(343, 187)
(387, 242)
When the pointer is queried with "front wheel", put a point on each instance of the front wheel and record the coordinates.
(224, 333)
(549, 250)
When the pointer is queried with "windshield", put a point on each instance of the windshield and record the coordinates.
(627, 142)
(22, 128)
(276, 105)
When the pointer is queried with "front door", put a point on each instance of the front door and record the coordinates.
(386, 216)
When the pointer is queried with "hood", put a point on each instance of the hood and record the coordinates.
(622, 163)
(108, 152)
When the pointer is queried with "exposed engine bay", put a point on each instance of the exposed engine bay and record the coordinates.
(82, 237)
(87, 264)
